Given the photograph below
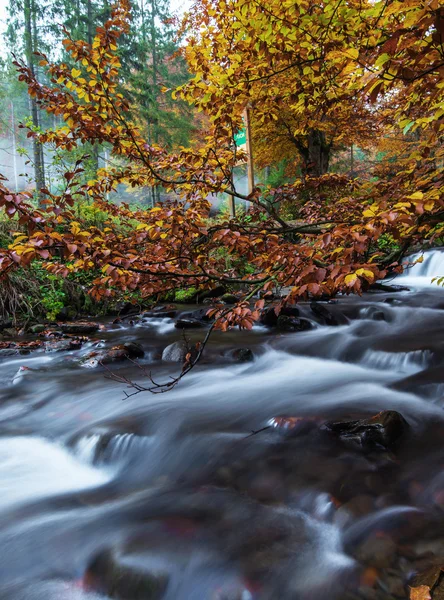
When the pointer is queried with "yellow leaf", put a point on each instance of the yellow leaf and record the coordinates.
(366, 273)
(350, 279)
(75, 72)
(163, 235)
(416, 196)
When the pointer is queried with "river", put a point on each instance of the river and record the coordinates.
(176, 494)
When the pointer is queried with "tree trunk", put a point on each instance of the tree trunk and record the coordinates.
(29, 10)
(90, 35)
(14, 149)
(318, 154)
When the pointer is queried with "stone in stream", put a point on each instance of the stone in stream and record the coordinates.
(242, 355)
(376, 552)
(39, 328)
(286, 323)
(161, 312)
(112, 575)
(269, 318)
(229, 299)
(323, 314)
(382, 430)
(64, 344)
(176, 352)
(188, 324)
(80, 328)
(121, 352)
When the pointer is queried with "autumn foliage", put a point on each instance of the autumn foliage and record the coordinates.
(317, 75)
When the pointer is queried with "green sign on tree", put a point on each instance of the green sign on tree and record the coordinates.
(240, 137)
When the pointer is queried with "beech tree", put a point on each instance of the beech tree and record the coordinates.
(237, 50)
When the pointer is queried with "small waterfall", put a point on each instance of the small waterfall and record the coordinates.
(402, 362)
(86, 447)
(122, 445)
(105, 448)
(423, 272)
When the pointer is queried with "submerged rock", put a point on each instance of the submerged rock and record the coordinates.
(325, 316)
(129, 350)
(188, 324)
(286, 323)
(242, 355)
(111, 575)
(384, 429)
(80, 328)
(64, 344)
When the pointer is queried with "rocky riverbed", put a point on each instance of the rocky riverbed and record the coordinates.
(303, 459)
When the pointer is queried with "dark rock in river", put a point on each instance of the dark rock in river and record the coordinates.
(80, 328)
(111, 575)
(382, 430)
(62, 345)
(188, 324)
(242, 355)
(130, 350)
(325, 316)
(285, 323)
(269, 318)
(378, 552)
(201, 314)
(229, 299)
(209, 294)
(161, 312)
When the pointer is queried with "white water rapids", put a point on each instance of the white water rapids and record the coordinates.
(179, 481)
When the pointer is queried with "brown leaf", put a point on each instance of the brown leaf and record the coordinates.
(422, 592)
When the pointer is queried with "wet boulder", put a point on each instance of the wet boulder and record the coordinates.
(242, 355)
(39, 328)
(376, 551)
(201, 314)
(229, 298)
(120, 579)
(176, 352)
(188, 323)
(271, 314)
(382, 430)
(287, 323)
(64, 344)
(168, 311)
(210, 294)
(79, 328)
(129, 350)
(323, 314)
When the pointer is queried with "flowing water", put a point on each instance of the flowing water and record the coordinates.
(176, 488)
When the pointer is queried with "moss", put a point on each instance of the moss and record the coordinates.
(185, 295)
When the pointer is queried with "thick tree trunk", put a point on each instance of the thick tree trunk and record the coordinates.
(29, 10)
(318, 154)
